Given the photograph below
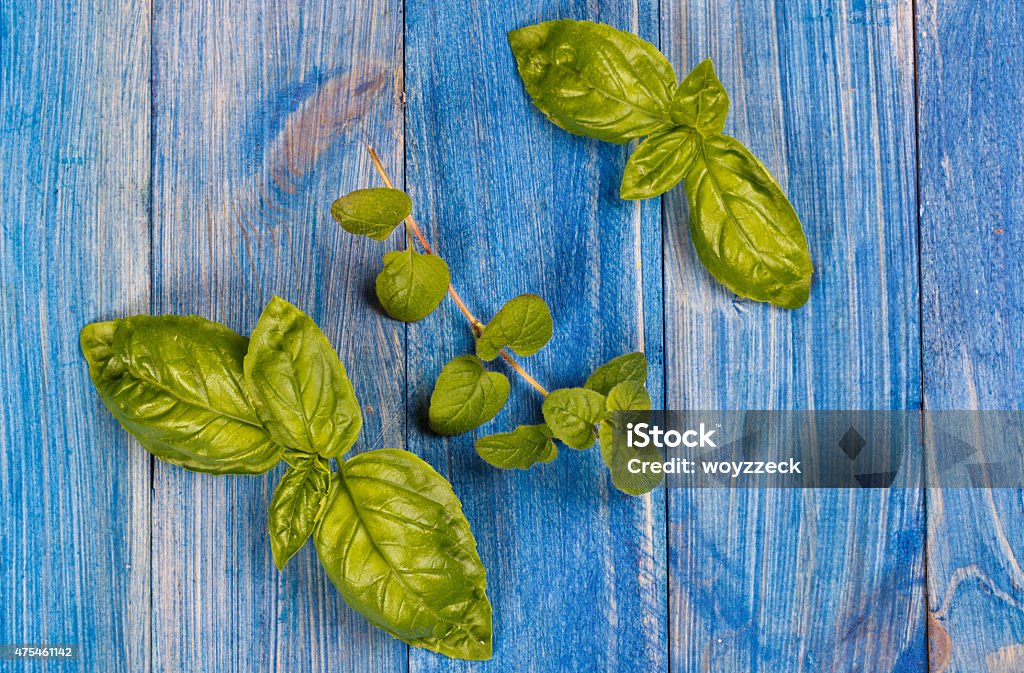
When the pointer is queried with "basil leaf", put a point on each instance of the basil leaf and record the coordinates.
(700, 101)
(372, 212)
(397, 546)
(412, 285)
(466, 396)
(593, 80)
(743, 227)
(295, 508)
(628, 367)
(175, 383)
(522, 448)
(523, 324)
(658, 164)
(572, 413)
(300, 387)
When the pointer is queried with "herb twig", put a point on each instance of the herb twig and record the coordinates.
(474, 323)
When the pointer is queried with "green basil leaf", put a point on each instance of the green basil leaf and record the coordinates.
(302, 392)
(572, 414)
(175, 383)
(466, 396)
(743, 227)
(659, 163)
(593, 80)
(397, 546)
(298, 500)
(412, 285)
(522, 448)
(628, 367)
(523, 324)
(700, 101)
(372, 212)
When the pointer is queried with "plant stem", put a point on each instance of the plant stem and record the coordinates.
(476, 325)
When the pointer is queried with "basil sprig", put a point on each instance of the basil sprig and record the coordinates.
(388, 529)
(596, 81)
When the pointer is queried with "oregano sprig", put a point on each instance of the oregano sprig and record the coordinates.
(596, 81)
(467, 394)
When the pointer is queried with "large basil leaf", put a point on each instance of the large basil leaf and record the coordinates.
(395, 542)
(743, 227)
(659, 163)
(573, 414)
(700, 101)
(466, 396)
(372, 212)
(522, 448)
(300, 387)
(411, 285)
(295, 508)
(627, 403)
(176, 384)
(593, 80)
(523, 324)
(628, 367)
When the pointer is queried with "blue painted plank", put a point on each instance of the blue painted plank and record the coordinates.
(784, 580)
(576, 570)
(971, 133)
(261, 112)
(74, 178)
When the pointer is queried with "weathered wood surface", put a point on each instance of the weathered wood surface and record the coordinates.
(576, 570)
(971, 136)
(780, 580)
(261, 112)
(200, 184)
(74, 179)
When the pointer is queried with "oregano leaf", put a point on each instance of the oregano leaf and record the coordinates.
(301, 389)
(523, 325)
(744, 228)
(466, 396)
(372, 212)
(628, 396)
(572, 414)
(659, 163)
(412, 284)
(594, 80)
(628, 367)
(700, 100)
(628, 402)
(522, 448)
(296, 506)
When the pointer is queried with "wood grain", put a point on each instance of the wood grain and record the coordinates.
(261, 115)
(74, 179)
(813, 580)
(971, 126)
(576, 570)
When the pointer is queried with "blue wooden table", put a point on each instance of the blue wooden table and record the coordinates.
(166, 158)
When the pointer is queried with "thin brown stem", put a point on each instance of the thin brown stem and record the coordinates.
(475, 324)
(522, 372)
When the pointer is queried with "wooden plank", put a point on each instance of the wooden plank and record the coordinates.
(576, 570)
(74, 178)
(778, 580)
(261, 113)
(971, 135)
